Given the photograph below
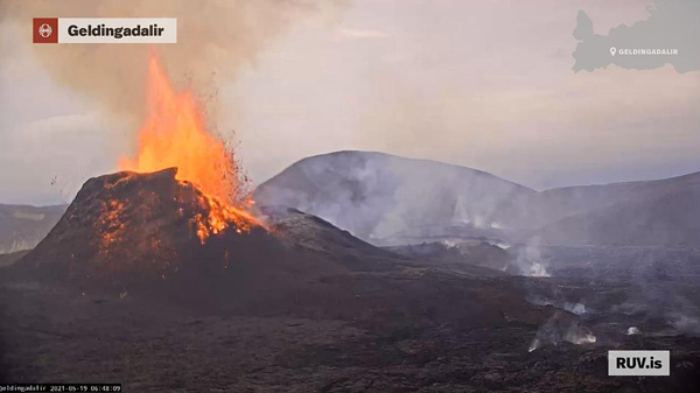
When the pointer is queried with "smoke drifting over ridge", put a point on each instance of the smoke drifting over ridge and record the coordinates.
(215, 39)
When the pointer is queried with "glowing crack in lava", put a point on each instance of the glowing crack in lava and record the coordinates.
(174, 135)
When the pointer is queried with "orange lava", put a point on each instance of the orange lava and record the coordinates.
(110, 225)
(174, 135)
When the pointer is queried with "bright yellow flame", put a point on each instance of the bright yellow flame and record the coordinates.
(174, 135)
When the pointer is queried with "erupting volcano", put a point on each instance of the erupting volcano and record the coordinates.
(183, 211)
(174, 134)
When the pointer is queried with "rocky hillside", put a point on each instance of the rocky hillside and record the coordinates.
(389, 200)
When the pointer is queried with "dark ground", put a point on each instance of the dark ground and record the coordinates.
(54, 333)
(122, 291)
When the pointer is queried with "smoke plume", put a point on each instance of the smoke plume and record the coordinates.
(214, 40)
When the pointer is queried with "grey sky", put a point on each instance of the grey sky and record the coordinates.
(488, 85)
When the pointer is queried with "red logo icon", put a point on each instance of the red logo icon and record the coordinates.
(45, 30)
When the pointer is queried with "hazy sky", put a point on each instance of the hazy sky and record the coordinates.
(485, 84)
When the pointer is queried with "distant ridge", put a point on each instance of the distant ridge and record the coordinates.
(391, 200)
(388, 200)
(23, 226)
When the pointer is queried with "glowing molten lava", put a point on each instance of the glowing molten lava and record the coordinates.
(174, 135)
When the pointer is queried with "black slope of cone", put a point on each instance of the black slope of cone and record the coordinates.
(126, 228)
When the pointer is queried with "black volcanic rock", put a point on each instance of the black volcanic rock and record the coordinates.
(301, 230)
(471, 256)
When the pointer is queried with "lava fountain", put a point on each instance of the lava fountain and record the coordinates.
(174, 135)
